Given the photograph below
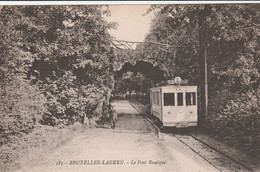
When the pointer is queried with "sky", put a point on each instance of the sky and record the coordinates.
(132, 25)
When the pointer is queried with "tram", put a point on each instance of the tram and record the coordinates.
(174, 105)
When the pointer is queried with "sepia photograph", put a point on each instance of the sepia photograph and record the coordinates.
(141, 87)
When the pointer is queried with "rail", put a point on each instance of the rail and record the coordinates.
(148, 118)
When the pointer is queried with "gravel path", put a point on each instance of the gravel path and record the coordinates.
(132, 146)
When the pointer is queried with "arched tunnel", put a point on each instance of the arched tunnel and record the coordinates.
(147, 69)
(136, 85)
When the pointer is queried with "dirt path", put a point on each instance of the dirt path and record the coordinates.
(132, 146)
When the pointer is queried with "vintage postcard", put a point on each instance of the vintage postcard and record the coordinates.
(141, 87)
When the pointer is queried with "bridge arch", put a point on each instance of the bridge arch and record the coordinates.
(146, 68)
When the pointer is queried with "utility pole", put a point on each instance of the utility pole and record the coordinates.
(203, 43)
(206, 82)
(205, 13)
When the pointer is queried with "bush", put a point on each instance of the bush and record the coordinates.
(21, 107)
(236, 119)
(68, 102)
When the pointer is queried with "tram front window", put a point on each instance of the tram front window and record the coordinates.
(190, 99)
(168, 99)
(180, 99)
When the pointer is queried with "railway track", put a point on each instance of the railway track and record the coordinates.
(221, 161)
(213, 156)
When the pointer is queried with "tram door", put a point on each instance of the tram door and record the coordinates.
(191, 114)
(169, 104)
(180, 110)
(156, 103)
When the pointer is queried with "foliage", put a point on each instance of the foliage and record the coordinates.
(231, 34)
(55, 67)
(21, 104)
(131, 81)
(230, 31)
(21, 107)
(62, 50)
(235, 119)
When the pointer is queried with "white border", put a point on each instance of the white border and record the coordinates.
(118, 2)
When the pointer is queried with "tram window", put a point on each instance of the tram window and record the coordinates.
(168, 99)
(190, 99)
(180, 99)
(156, 98)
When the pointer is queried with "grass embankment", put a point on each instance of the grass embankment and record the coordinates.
(28, 147)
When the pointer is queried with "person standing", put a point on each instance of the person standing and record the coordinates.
(113, 117)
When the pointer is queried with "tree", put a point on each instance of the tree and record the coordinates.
(62, 50)
(230, 32)
(21, 104)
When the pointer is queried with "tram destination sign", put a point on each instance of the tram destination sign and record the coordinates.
(177, 82)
